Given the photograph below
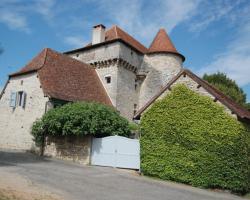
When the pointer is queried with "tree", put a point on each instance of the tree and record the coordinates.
(228, 86)
(80, 119)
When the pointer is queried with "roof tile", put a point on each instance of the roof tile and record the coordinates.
(65, 78)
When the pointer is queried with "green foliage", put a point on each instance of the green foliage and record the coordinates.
(81, 119)
(37, 132)
(227, 86)
(186, 137)
(247, 106)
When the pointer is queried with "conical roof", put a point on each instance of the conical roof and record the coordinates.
(163, 44)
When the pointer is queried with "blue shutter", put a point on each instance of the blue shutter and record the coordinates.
(13, 99)
(24, 99)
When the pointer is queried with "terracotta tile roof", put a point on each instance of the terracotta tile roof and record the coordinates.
(163, 44)
(116, 34)
(35, 64)
(240, 111)
(65, 78)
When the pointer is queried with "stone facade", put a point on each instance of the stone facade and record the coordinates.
(121, 63)
(71, 148)
(127, 92)
(191, 84)
(161, 69)
(15, 123)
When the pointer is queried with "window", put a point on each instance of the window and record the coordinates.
(108, 79)
(21, 98)
(18, 99)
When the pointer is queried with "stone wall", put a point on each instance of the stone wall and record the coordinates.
(191, 84)
(126, 92)
(100, 53)
(121, 90)
(15, 123)
(161, 69)
(73, 148)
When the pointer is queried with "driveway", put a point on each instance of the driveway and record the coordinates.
(72, 181)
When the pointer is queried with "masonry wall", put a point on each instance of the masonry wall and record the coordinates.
(191, 84)
(15, 123)
(107, 51)
(73, 148)
(161, 69)
(126, 92)
(121, 90)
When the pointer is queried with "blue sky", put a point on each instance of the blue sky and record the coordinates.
(213, 35)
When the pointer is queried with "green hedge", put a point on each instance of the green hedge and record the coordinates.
(188, 138)
(80, 119)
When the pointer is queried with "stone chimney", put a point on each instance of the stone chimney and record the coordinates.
(98, 34)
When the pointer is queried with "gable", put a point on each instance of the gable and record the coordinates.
(200, 86)
(65, 78)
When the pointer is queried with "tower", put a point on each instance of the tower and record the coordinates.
(162, 62)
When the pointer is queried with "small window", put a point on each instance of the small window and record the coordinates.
(77, 55)
(21, 99)
(21, 82)
(108, 79)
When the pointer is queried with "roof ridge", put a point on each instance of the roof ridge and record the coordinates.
(224, 99)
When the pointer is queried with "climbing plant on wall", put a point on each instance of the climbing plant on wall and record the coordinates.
(189, 138)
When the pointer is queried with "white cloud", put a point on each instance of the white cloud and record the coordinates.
(235, 61)
(14, 20)
(143, 21)
(74, 41)
(15, 13)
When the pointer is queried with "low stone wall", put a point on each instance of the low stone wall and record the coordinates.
(73, 148)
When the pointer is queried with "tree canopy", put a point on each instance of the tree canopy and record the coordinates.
(80, 119)
(228, 86)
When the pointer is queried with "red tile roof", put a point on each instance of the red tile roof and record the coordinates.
(65, 78)
(240, 111)
(116, 34)
(163, 44)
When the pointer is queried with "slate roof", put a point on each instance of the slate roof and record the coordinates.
(65, 78)
(163, 44)
(240, 111)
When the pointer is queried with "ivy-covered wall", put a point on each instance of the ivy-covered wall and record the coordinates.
(189, 138)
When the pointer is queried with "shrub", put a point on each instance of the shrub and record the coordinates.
(80, 119)
(188, 138)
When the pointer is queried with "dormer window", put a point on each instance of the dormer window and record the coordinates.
(108, 79)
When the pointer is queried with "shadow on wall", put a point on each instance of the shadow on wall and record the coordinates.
(12, 158)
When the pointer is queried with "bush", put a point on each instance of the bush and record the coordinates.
(188, 138)
(80, 119)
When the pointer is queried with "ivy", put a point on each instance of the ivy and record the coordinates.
(189, 138)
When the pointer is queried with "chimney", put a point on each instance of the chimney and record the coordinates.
(98, 34)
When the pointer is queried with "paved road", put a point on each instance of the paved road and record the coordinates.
(76, 182)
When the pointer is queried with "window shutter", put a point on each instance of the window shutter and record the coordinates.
(13, 99)
(24, 99)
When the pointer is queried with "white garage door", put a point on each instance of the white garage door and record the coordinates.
(116, 151)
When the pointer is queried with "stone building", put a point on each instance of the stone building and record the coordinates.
(114, 69)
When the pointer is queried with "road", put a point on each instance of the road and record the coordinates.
(73, 181)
